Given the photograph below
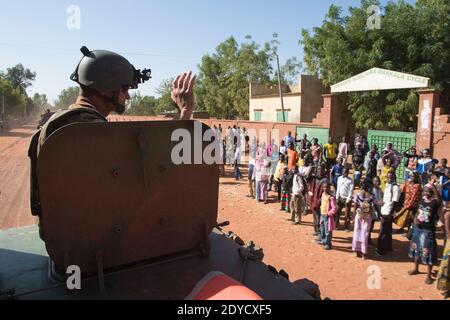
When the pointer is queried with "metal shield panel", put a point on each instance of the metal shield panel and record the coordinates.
(112, 189)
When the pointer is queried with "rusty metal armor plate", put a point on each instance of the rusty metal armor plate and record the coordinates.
(112, 196)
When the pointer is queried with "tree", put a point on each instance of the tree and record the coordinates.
(15, 101)
(290, 71)
(223, 82)
(67, 97)
(39, 103)
(20, 77)
(164, 92)
(139, 105)
(413, 38)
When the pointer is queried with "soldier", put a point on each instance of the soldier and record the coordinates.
(104, 78)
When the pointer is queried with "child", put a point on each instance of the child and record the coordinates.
(298, 197)
(444, 181)
(277, 177)
(378, 201)
(336, 172)
(424, 165)
(286, 186)
(358, 171)
(386, 169)
(328, 210)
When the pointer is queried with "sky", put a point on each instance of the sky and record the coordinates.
(169, 37)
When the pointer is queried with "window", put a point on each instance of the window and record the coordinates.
(280, 116)
(258, 115)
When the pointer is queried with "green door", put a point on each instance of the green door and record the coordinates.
(321, 134)
(402, 141)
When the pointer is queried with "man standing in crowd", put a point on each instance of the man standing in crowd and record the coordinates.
(344, 195)
(298, 197)
(289, 139)
(393, 154)
(343, 150)
(292, 157)
(391, 197)
(330, 150)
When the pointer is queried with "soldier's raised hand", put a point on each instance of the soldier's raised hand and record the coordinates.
(183, 94)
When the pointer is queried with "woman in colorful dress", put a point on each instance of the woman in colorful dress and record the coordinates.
(443, 277)
(412, 190)
(364, 201)
(423, 243)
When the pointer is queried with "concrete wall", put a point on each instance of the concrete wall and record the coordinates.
(312, 89)
(269, 105)
(433, 130)
(303, 100)
(263, 131)
(257, 90)
(441, 134)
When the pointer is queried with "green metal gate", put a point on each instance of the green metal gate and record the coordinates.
(321, 134)
(402, 141)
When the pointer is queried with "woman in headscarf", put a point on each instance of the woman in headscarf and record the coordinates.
(412, 190)
(261, 155)
(423, 243)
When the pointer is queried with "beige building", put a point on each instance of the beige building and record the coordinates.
(302, 101)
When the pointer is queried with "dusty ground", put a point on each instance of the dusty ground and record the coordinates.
(14, 177)
(339, 273)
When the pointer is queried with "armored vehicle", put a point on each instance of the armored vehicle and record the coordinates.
(118, 206)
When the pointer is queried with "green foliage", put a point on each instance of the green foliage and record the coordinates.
(13, 85)
(67, 97)
(164, 92)
(413, 38)
(223, 82)
(15, 101)
(20, 77)
(139, 105)
(38, 104)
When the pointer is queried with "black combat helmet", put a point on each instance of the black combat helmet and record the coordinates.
(103, 70)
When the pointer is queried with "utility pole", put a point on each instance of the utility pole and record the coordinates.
(279, 87)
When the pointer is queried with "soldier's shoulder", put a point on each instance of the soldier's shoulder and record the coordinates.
(74, 114)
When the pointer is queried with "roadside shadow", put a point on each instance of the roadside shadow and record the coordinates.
(230, 183)
(16, 134)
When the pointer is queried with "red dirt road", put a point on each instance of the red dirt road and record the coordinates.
(14, 178)
(339, 273)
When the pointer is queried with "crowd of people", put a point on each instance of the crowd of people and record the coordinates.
(359, 185)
